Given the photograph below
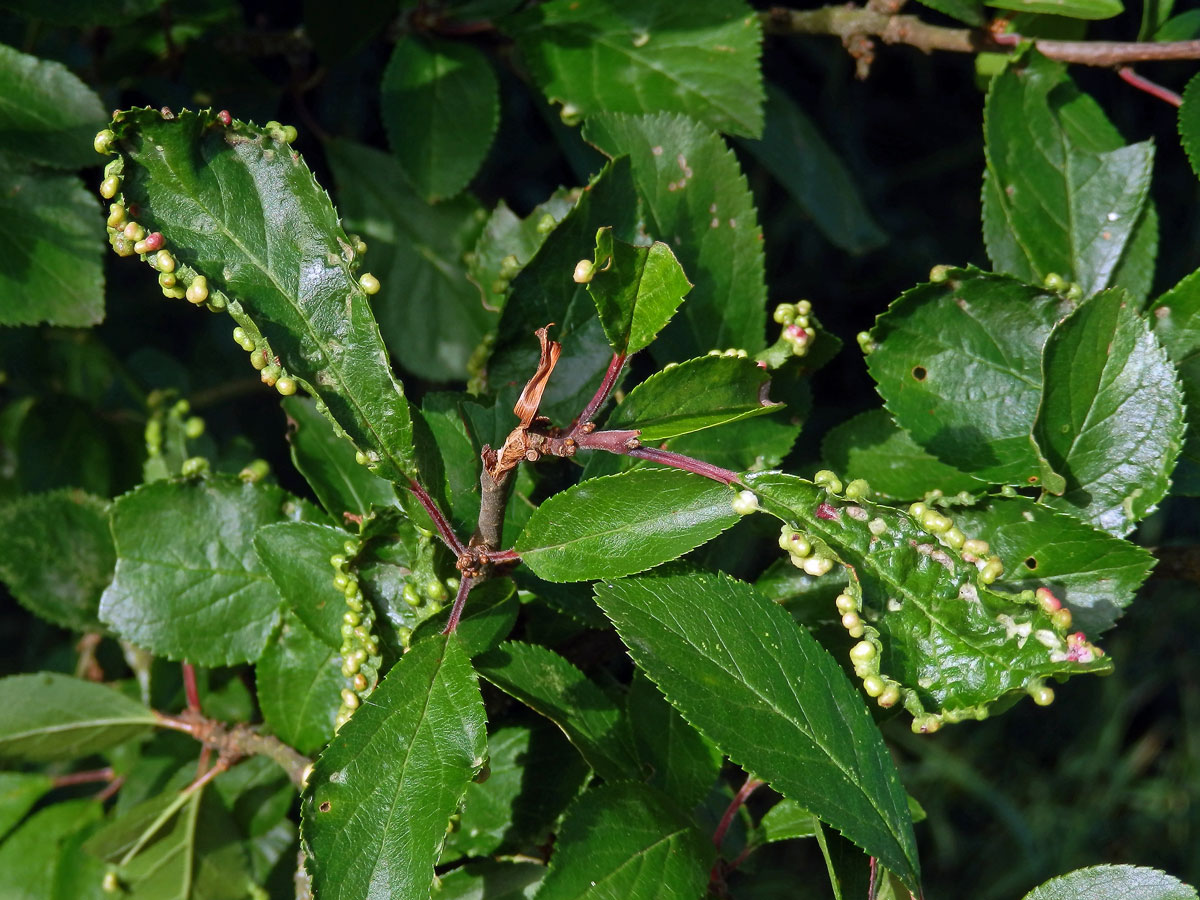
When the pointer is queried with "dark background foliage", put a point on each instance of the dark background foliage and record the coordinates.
(1010, 801)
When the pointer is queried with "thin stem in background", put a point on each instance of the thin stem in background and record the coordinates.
(439, 521)
(89, 777)
(606, 387)
(1152, 88)
(460, 600)
(686, 463)
(189, 687)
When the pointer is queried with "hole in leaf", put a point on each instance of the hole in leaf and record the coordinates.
(324, 807)
(919, 373)
(1030, 563)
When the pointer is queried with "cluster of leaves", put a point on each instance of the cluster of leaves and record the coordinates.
(635, 656)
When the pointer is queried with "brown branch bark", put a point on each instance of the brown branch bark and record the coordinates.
(234, 743)
(849, 21)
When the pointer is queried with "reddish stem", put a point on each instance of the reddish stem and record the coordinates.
(500, 557)
(874, 874)
(88, 777)
(439, 521)
(460, 600)
(1145, 84)
(606, 386)
(189, 687)
(748, 787)
(687, 463)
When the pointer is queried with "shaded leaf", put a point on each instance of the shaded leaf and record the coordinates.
(958, 365)
(188, 584)
(50, 251)
(19, 792)
(240, 207)
(552, 687)
(490, 880)
(786, 820)
(430, 314)
(1092, 572)
(50, 716)
(1111, 419)
(1078, 9)
(440, 103)
(954, 645)
(1126, 882)
(625, 840)
(694, 395)
(299, 683)
(793, 150)
(636, 290)
(1189, 122)
(48, 117)
(696, 199)
(969, 11)
(766, 693)
(379, 797)
(620, 524)
(872, 446)
(627, 57)
(1063, 194)
(328, 465)
(508, 242)
(296, 557)
(1175, 317)
(33, 858)
(57, 555)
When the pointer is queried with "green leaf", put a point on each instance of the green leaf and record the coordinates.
(874, 447)
(786, 820)
(1111, 419)
(489, 616)
(552, 687)
(1076, 9)
(625, 840)
(457, 489)
(428, 311)
(766, 693)
(1183, 27)
(34, 857)
(621, 524)
(239, 207)
(50, 251)
(969, 11)
(958, 365)
(793, 150)
(508, 243)
(534, 775)
(929, 613)
(188, 584)
(441, 104)
(544, 292)
(751, 445)
(296, 557)
(1176, 322)
(636, 290)
(327, 463)
(1093, 573)
(1062, 194)
(625, 56)
(379, 797)
(57, 555)
(491, 880)
(697, 200)
(694, 395)
(1189, 122)
(299, 684)
(1126, 882)
(676, 758)
(19, 793)
(48, 117)
(50, 716)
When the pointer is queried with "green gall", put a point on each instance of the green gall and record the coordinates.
(865, 342)
(360, 682)
(361, 458)
(110, 884)
(197, 291)
(784, 314)
(828, 480)
(1054, 282)
(1075, 292)
(255, 471)
(845, 603)
(109, 187)
(435, 590)
(954, 538)
(369, 283)
(939, 274)
(352, 618)
(134, 232)
(270, 375)
(350, 699)
(935, 523)
(340, 581)
(1043, 695)
(116, 216)
(509, 267)
(411, 597)
(873, 685)
(166, 279)
(164, 261)
(858, 489)
(585, 270)
(991, 570)
(852, 622)
(570, 114)
(917, 510)
(239, 335)
(103, 141)
(745, 503)
(175, 293)
(351, 590)
(1061, 618)
(862, 652)
(347, 631)
(926, 724)
(351, 548)
(194, 467)
(976, 548)
(122, 246)
(803, 307)
(258, 359)
(890, 696)
(216, 303)
(193, 427)
(290, 134)
(817, 566)
(286, 386)
(337, 561)
(546, 224)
